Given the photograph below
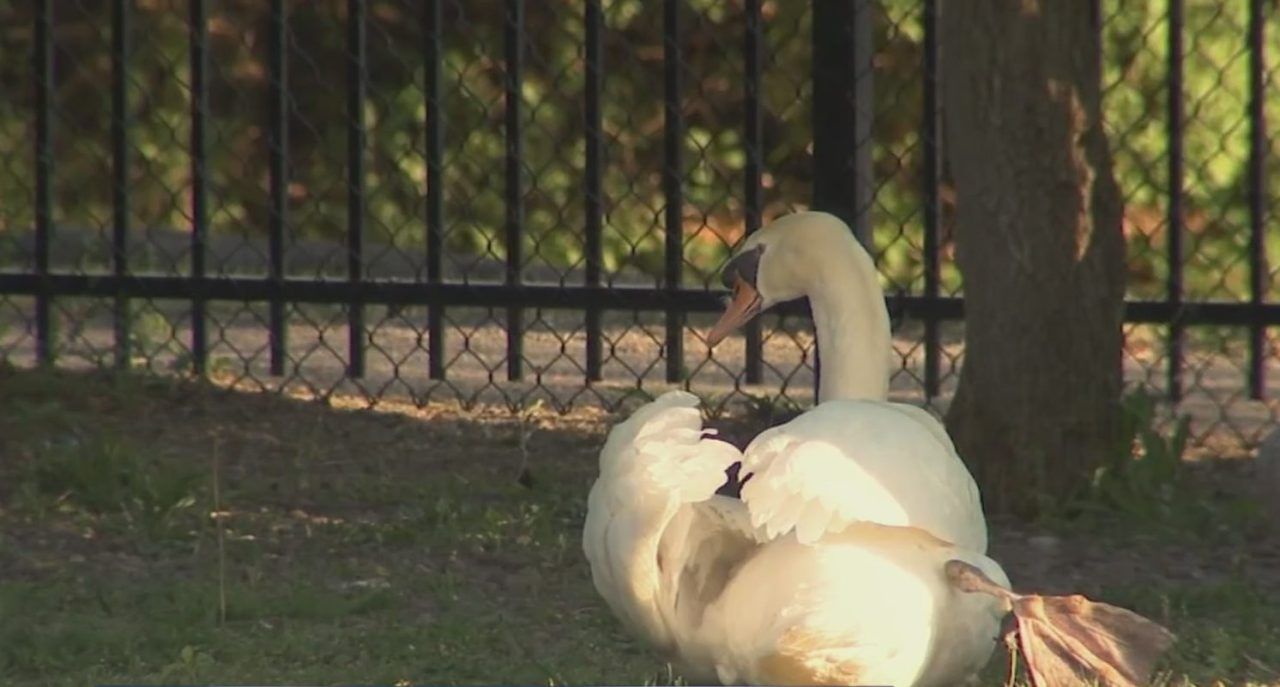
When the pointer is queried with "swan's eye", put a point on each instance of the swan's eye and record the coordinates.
(743, 266)
(729, 277)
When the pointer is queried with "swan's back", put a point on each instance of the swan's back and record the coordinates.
(848, 461)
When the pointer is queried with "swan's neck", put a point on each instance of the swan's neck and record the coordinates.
(852, 327)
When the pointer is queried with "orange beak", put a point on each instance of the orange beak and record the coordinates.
(744, 306)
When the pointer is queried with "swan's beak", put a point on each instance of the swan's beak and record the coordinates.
(744, 306)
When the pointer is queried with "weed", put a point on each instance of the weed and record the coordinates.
(1146, 482)
(1146, 471)
(190, 664)
(766, 411)
(102, 474)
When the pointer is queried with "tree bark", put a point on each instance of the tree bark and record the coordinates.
(1039, 243)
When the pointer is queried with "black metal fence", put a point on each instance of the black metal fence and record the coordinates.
(509, 201)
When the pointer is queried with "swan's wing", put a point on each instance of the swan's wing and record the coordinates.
(725, 513)
(699, 552)
(652, 467)
(957, 475)
(850, 461)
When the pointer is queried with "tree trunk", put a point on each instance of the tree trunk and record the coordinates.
(1040, 245)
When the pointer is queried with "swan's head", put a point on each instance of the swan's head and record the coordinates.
(785, 260)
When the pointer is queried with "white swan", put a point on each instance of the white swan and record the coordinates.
(839, 564)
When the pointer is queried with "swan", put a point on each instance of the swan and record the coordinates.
(856, 553)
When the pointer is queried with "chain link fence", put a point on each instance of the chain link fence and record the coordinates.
(502, 201)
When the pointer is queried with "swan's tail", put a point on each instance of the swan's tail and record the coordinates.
(663, 446)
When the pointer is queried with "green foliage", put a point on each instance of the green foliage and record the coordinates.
(1216, 139)
(1135, 44)
(1145, 473)
(1225, 627)
(1147, 483)
(765, 410)
(103, 474)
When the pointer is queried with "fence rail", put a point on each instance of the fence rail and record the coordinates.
(489, 162)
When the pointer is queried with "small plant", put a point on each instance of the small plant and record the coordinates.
(151, 335)
(190, 663)
(770, 410)
(1146, 470)
(102, 475)
(158, 496)
(1145, 480)
(528, 423)
(89, 472)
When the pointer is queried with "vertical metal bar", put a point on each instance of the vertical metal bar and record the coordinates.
(120, 170)
(513, 34)
(929, 194)
(44, 174)
(278, 144)
(435, 187)
(1259, 271)
(199, 177)
(594, 179)
(752, 141)
(1175, 218)
(356, 59)
(834, 114)
(672, 183)
(864, 116)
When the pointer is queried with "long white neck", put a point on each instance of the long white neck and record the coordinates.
(852, 327)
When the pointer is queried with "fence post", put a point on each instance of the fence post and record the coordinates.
(931, 169)
(1259, 272)
(198, 21)
(120, 149)
(357, 85)
(434, 31)
(842, 116)
(513, 190)
(673, 185)
(1174, 220)
(842, 111)
(593, 187)
(43, 67)
(278, 174)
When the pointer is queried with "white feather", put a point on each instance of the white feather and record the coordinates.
(652, 466)
(853, 461)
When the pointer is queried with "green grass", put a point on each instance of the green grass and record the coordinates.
(359, 547)
(1229, 628)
